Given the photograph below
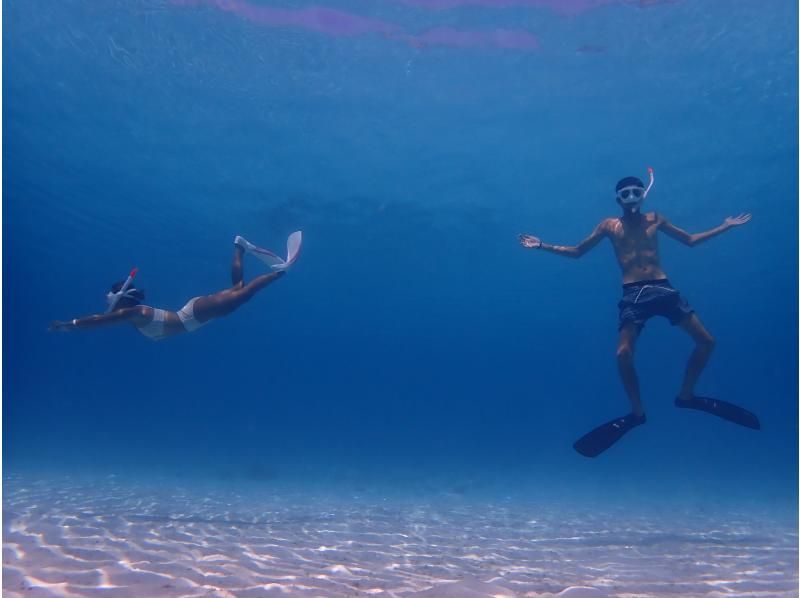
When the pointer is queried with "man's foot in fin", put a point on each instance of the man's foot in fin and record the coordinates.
(243, 243)
(602, 437)
(729, 411)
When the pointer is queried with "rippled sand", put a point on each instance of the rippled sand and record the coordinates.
(113, 538)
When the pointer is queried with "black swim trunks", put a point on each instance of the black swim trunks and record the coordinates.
(647, 298)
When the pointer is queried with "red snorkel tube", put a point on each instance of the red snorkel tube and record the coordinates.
(652, 180)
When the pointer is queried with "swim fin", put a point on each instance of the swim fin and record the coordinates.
(243, 243)
(729, 411)
(602, 437)
(273, 260)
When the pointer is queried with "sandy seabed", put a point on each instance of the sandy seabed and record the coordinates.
(110, 537)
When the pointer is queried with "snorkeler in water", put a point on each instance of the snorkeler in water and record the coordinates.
(646, 292)
(125, 300)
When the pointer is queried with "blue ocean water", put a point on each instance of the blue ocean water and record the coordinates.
(415, 348)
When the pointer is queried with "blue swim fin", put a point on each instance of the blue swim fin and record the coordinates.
(602, 437)
(729, 411)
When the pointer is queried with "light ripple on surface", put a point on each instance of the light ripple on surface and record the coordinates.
(110, 538)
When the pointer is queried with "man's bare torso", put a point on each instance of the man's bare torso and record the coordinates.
(635, 241)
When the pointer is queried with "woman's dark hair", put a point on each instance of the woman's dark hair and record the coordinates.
(137, 295)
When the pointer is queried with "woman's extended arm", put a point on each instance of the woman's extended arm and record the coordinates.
(138, 315)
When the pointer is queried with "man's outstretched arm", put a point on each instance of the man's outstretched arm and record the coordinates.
(575, 251)
(691, 240)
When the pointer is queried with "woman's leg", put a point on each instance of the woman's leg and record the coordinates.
(237, 270)
(222, 303)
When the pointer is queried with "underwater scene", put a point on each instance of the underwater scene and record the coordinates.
(400, 298)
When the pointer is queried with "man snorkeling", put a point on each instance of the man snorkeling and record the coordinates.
(125, 300)
(646, 292)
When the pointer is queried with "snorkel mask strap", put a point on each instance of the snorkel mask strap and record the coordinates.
(652, 180)
(115, 297)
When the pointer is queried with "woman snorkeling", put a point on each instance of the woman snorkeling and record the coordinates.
(125, 300)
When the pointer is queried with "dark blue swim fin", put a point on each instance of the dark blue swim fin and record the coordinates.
(729, 411)
(602, 437)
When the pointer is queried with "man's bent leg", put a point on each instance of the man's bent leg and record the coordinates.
(704, 345)
(627, 342)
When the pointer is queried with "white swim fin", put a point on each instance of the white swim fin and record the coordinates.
(273, 260)
(243, 243)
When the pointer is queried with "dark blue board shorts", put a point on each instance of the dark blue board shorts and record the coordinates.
(647, 298)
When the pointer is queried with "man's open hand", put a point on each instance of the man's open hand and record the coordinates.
(738, 220)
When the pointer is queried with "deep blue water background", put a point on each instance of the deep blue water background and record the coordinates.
(415, 344)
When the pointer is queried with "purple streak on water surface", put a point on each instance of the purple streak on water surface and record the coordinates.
(334, 22)
(315, 18)
(563, 7)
